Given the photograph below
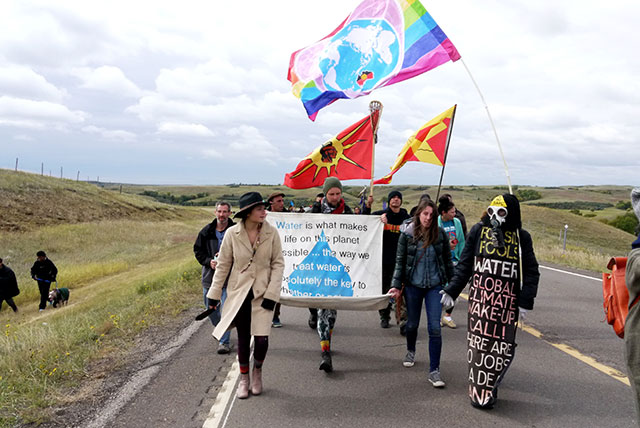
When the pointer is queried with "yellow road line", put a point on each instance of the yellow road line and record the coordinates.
(616, 374)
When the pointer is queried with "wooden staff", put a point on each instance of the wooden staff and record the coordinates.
(373, 107)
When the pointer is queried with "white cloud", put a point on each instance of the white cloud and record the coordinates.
(22, 82)
(200, 83)
(109, 134)
(187, 129)
(212, 154)
(247, 140)
(108, 79)
(23, 137)
(37, 114)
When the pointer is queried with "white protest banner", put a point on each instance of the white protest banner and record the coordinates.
(331, 261)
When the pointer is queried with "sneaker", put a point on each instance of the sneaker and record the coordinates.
(384, 323)
(326, 363)
(409, 359)
(448, 321)
(435, 379)
(276, 323)
(223, 348)
(40, 310)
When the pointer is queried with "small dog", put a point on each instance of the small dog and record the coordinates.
(59, 296)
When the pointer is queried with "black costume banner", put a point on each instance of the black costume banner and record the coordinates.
(493, 315)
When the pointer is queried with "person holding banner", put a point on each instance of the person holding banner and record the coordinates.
(251, 258)
(392, 217)
(331, 203)
(423, 267)
(500, 261)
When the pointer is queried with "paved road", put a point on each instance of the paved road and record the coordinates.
(545, 387)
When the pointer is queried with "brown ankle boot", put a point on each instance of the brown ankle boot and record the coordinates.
(243, 386)
(256, 381)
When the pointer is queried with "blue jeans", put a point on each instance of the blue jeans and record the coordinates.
(215, 315)
(413, 297)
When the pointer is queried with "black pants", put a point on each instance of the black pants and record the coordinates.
(43, 286)
(10, 302)
(387, 276)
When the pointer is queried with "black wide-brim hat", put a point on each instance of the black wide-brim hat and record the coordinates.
(247, 202)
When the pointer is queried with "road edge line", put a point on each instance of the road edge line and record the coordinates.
(219, 408)
(571, 273)
(590, 361)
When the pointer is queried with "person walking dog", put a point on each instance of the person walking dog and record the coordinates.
(45, 272)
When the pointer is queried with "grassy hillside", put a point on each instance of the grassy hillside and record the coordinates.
(590, 243)
(129, 264)
(30, 200)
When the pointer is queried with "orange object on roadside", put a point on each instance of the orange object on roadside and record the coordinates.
(616, 295)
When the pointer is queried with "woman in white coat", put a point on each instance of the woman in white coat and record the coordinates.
(251, 257)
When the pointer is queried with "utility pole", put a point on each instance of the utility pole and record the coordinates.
(60, 172)
(16, 164)
(78, 176)
(42, 168)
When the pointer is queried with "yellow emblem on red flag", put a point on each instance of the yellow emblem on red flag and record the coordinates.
(347, 156)
(428, 144)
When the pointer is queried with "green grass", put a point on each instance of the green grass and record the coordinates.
(124, 276)
(131, 256)
(29, 201)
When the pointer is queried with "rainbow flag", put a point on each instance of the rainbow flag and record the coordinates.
(381, 42)
(428, 144)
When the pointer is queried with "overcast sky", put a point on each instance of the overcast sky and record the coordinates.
(195, 92)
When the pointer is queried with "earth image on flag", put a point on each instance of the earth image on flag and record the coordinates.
(369, 47)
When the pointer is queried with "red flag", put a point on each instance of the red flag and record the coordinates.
(346, 156)
(428, 144)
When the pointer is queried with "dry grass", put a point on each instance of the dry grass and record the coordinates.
(28, 201)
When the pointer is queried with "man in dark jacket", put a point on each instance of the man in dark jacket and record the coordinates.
(206, 250)
(392, 218)
(8, 286)
(499, 259)
(332, 203)
(45, 272)
(276, 205)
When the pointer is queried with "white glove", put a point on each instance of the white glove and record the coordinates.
(523, 313)
(446, 300)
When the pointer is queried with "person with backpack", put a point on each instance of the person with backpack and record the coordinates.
(632, 324)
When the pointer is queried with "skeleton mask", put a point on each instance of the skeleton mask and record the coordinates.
(497, 211)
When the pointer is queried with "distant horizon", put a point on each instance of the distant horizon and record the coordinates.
(361, 183)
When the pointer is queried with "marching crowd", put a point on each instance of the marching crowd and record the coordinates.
(428, 257)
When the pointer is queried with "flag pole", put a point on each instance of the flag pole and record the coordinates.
(506, 168)
(495, 132)
(446, 150)
(373, 107)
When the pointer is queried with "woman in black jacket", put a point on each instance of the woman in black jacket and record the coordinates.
(423, 267)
